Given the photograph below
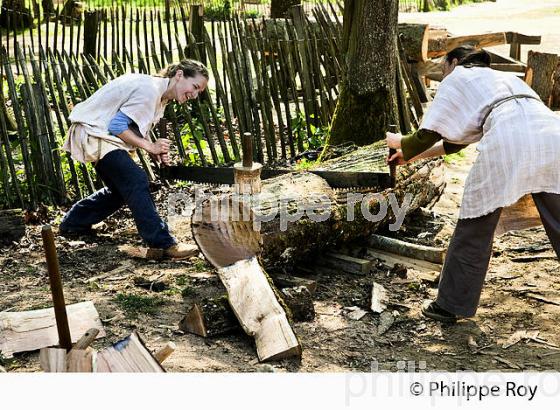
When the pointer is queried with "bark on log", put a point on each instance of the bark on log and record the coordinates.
(299, 213)
(12, 226)
(412, 250)
(414, 38)
(556, 88)
(540, 74)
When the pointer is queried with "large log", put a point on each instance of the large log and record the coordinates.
(298, 214)
(414, 38)
(540, 74)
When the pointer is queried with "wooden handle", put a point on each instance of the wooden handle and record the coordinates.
(86, 339)
(165, 352)
(247, 143)
(65, 340)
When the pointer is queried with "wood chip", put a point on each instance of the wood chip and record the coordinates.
(353, 312)
(508, 363)
(378, 298)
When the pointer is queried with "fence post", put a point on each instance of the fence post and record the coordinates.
(91, 26)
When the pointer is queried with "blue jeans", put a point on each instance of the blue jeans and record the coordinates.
(126, 183)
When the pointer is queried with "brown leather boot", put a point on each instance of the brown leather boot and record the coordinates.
(181, 250)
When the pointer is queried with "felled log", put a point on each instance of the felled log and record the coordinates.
(414, 39)
(299, 213)
(411, 250)
(540, 73)
(12, 226)
(438, 47)
(214, 317)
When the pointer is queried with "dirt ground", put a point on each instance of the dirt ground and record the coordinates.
(518, 296)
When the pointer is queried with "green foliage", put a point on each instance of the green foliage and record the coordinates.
(452, 158)
(217, 10)
(304, 164)
(135, 304)
(315, 138)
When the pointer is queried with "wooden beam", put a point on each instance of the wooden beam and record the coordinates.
(390, 259)
(440, 47)
(411, 250)
(346, 263)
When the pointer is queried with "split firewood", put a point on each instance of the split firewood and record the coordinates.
(142, 252)
(12, 225)
(534, 258)
(379, 298)
(35, 329)
(129, 355)
(165, 352)
(86, 340)
(257, 308)
(53, 360)
(411, 250)
(126, 266)
(80, 361)
(211, 317)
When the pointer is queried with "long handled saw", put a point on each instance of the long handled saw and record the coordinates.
(336, 179)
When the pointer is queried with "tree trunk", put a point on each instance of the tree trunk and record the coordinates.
(367, 104)
(556, 88)
(281, 8)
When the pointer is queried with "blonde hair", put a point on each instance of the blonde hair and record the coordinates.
(189, 67)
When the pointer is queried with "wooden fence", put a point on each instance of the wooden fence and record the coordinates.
(277, 79)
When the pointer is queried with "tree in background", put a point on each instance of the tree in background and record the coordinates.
(367, 103)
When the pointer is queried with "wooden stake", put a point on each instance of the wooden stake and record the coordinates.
(65, 341)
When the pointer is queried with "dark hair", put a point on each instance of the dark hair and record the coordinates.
(469, 56)
(189, 67)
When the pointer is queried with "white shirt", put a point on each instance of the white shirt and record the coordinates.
(519, 149)
(137, 95)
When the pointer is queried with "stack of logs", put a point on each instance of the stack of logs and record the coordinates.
(423, 43)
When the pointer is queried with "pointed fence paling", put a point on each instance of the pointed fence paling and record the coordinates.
(277, 79)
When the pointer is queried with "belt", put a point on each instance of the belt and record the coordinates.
(499, 102)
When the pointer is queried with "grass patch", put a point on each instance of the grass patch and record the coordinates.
(135, 304)
(452, 158)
